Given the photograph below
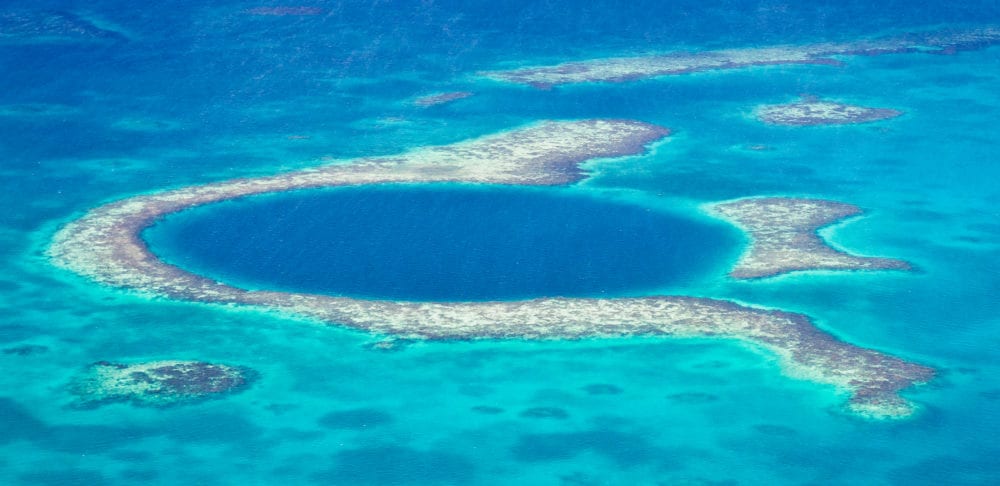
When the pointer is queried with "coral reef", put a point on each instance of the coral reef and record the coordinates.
(784, 239)
(157, 383)
(105, 246)
(622, 69)
(813, 111)
(440, 98)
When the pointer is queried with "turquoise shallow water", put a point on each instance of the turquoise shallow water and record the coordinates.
(194, 94)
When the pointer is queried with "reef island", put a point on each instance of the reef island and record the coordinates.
(623, 69)
(105, 245)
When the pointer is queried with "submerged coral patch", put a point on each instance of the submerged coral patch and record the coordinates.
(813, 111)
(545, 413)
(487, 410)
(602, 389)
(621, 69)
(26, 349)
(157, 383)
(692, 398)
(440, 98)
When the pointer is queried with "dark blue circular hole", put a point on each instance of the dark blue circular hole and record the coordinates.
(442, 242)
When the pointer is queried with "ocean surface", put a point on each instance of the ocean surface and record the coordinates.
(443, 242)
(101, 100)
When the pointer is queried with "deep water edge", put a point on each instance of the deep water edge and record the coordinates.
(443, 242)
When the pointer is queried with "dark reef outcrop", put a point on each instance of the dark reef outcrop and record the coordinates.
(158, 383)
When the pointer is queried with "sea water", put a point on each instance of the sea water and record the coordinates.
(444, 242)
(193, 93)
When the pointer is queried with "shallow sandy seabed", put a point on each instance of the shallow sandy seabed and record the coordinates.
(621, 69)
(105, 246)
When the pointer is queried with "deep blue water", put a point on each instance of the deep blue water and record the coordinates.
(182, 92)
(443, 242)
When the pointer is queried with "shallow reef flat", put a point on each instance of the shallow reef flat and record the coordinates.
(621, 69)
(157, 383)
(440, 98)
(784, 239)
(105, 245)
(811, 111)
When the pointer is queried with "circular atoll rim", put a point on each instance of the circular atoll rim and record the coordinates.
(105, 245)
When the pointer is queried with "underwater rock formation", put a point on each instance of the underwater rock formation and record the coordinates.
(26, 350)
(157, 383)
(440, 98)
(812, 111)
